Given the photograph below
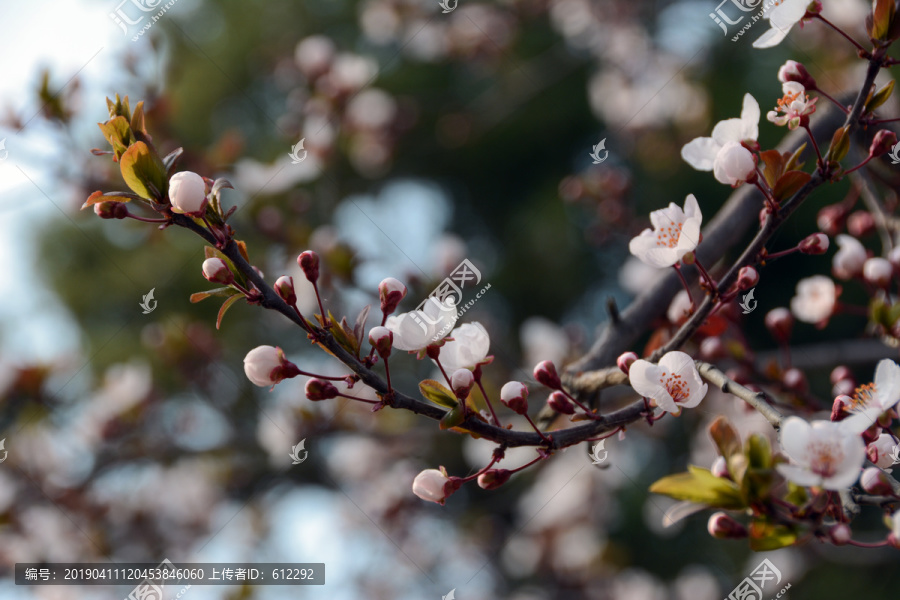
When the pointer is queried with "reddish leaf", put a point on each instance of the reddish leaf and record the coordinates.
(225, 306)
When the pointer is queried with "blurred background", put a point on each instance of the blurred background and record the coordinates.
(432, 137)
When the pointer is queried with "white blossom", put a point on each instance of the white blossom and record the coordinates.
(469, 346)
(675, 233)
(815, 299)
(782, 17)
(672, 384)
(822, 453)
(723, 153)
(869, 401)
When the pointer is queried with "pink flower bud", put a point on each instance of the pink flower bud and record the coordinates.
(712, 348)
(434, 486)
(875, 481)
(848, 261)
(266, 365)
(831, 219)
(840, 373)
(111, 210)
(881, 451)
(391, 293)
(558, 402)
(462, 381)
(493, 478)
(844, 387)
(187, 192)
(625, 361)
(794, 71)
(514, 395)
(795, 381)
(720, 468)
(882, 143)
(878, 271)
(734, 164)
(215, 270)
(309, 262)
(840, 534)
(382, 339)
(747, 277)
(860, 224)
(319, 389)
(284, 286)
(816, 243)
(894, 257)
(545, 373)
(837, 408)
(780, 322)
(724, 527)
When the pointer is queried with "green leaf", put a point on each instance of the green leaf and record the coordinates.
(789, 184)
(770, 536)
(225, 306)
(880, 97)
(793, 162)
(118, 133)
(453, 418)
(99, 196)
(141, 169)
(840, 144)
(137, 119)
(882, 15)
(700, 486)
(222, 291)
(437, 393)
(343, 335)
(759, 452)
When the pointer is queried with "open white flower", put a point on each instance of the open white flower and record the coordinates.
(815, 299)
(782, 17)
(793, 106)
(672, 384)
(469, 346)
(706, 153)
(417, 329)
(822, 453)
(869, 401)
(675, 233)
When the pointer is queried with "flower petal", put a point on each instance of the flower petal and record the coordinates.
(729, 130)
(750, 118)
(700, 153)
(799, 475)
(795, 435)
(770, 38)
(887, 383)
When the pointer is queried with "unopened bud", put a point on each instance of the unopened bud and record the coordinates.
(795, 381)
(462, 381)
(875, 481)
(558, 402)
(844, 387)
(309, 262)
(284, 286)
(780, 322)
(794, 71)
(816, 243)
(493, 478)
(215, 270)
(878, 271)
(391, 292)
(724, 527)
(625, 361)
(187, 192)
(894, 257)
(860, 224)
(882, 143)
(720, 468)
(382, 339)
(831, 219)
(840, 373)
(840, 534)
(319, 389)
(514, 394)
(545, 373)
(111, 210)
(837, 408)
(747, 277)
(712, 349)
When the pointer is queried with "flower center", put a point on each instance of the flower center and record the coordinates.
(863, 396)
(668, 236)
(676, 385)
(788, 99)
(825, 458)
